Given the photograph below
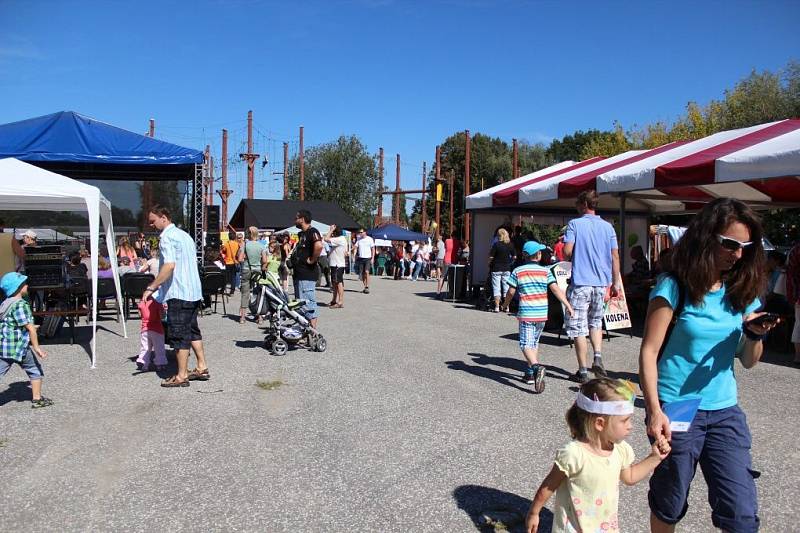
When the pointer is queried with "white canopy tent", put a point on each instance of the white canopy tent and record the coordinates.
(320, 227)
(27, 187)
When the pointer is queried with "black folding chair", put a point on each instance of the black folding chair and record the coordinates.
(133, 286)
(78, 290)
(105, 290)
(213, 284)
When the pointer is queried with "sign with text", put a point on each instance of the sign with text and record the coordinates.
(615, 313)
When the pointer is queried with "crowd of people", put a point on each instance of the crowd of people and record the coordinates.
(704, 311)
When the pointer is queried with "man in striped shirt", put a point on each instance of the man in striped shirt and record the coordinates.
(532, 280)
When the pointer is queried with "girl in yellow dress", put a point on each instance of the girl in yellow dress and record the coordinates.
(587, 471)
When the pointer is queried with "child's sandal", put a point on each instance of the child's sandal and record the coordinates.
(41, 402)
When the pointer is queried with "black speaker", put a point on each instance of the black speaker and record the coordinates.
(212, 218)
(213, 240)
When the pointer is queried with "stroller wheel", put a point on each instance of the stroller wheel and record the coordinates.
(279, 347)
(321, 344)
(268, 340)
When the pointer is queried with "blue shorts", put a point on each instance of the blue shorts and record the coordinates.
(500, 284)
(307, 290)
(29, 364)
(529, 334)
(720, 442)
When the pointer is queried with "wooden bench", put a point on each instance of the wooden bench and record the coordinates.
(69, 315)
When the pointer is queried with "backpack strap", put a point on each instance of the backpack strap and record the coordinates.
(676, 313)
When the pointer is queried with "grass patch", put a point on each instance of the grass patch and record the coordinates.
(3, 442)
(269, 385)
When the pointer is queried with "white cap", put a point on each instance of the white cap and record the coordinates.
(30, 233)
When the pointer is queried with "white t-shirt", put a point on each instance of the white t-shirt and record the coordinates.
(338, 248)
(364, 246)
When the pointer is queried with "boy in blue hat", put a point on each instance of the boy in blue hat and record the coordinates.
(532, 280)
(18, 341)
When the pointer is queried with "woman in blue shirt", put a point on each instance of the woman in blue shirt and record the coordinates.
(717, 272)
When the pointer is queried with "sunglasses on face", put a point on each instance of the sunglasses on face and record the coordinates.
(732, 245)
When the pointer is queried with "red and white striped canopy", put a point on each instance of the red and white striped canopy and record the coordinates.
(505, 193)
(759, 164)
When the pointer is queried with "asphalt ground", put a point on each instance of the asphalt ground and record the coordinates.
(415, 419)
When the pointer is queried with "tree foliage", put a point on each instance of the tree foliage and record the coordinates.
(343, 172)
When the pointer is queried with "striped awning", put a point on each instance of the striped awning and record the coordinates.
(759, 165)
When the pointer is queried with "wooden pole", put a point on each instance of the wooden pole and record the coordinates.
(424, 206)
(225, 192)
(436, 191)
(515, 163)
(251, 184)
(285, 171)
(302, 168)
(397, 196)
(467, 179)
(147, 185)
(379, 216)
(452, 182)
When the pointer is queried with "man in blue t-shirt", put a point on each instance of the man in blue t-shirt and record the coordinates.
(591, 244)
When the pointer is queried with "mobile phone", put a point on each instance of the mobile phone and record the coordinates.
(766, 318)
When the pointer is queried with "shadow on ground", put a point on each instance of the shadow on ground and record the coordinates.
(511, 378)
(478, 501)
(16, 392)
(250, 344)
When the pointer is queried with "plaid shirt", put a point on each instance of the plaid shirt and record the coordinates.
(14, 337)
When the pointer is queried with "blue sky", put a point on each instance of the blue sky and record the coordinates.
(399, 74)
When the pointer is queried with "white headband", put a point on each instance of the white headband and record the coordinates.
(621, 407)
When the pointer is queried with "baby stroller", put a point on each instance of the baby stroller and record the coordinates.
(288, 319)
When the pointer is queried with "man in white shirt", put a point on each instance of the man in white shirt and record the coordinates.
(365, 253)
(336, 257)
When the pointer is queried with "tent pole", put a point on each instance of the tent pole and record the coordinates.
(622, 239)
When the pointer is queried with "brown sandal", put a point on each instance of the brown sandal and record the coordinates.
(175, 382)
(337, 306)
(199, 375)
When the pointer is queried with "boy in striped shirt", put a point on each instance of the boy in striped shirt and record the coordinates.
(532, 280)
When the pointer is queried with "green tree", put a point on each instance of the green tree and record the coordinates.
(490, 163)
(343, 172)
(606, 144)
(570, 147)
(533, 157)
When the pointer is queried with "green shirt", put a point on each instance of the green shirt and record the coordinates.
(252, 256)
(274, 263)
(14, 337)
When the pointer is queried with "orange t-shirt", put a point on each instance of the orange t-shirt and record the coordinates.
(231, 249)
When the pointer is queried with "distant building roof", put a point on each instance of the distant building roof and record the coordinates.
(277, 214)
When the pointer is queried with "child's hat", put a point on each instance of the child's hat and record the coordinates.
(11, 282)
(532, 247)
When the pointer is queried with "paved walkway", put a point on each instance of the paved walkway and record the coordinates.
(414, 420)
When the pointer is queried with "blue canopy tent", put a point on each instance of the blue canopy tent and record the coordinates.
(393, 232)
(83, 148)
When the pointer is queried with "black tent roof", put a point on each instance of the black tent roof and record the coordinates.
(278, 214)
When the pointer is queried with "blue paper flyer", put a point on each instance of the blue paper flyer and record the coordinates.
(681, 413)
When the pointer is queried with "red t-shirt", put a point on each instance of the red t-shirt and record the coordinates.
(151, 316)
(558, 250)
(451, 247)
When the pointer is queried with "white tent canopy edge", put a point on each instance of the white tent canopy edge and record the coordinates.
(27, 187)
